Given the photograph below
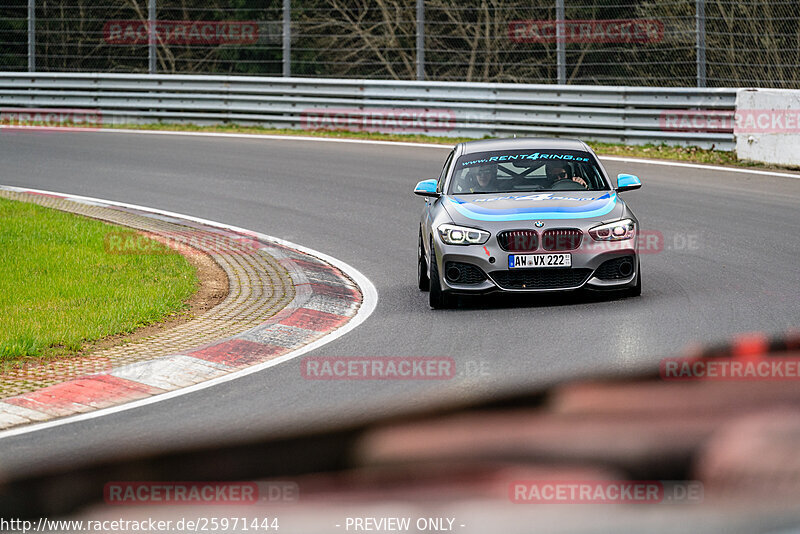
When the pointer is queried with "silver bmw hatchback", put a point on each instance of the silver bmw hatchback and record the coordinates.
(526, 216)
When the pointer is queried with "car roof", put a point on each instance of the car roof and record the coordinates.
(530, 143)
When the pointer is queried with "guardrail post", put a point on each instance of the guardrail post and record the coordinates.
(287, 38)
(31, 35)
(151, 37)
(561, 43)
(420, 39)
(700, 19)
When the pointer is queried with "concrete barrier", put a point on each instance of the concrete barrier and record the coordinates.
(767, 126)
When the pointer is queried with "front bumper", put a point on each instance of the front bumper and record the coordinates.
(597, 265)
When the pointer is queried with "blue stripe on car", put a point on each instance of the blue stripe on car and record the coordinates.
(595, 208)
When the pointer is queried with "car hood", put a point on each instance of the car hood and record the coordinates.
(534, 206)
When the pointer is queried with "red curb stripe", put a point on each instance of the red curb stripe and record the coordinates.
(237, 352)
(313, 266)
(315, 320)
(336, 291)
(98, 391)
(278, 317)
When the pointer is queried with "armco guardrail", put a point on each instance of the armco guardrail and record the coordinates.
(614, 114)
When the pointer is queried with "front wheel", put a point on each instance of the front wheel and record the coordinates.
(423, 281)
(438, 298)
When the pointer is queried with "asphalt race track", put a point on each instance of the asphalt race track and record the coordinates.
(729, 264)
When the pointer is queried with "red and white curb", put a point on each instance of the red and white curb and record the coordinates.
(331, 298)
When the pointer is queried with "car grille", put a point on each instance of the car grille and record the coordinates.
(540, 278)
(615, 269)
(463, 273)
(518, 240)
(562, 239)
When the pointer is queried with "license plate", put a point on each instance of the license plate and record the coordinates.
(523, 261)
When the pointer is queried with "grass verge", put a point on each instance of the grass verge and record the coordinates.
(60, 288)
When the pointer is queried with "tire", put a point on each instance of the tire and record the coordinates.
(423, 282)
(438, 298)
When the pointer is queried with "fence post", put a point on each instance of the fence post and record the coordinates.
(700, 19)
(31, 35)
(420, 39)
(151, 37)
(561, 43)
(287, 38)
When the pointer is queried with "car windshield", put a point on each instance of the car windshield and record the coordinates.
(508, 171)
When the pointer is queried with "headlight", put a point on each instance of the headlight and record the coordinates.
(615, 231)
(461, 235)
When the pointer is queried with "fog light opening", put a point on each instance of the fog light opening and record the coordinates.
(626, 268)
(453, 274)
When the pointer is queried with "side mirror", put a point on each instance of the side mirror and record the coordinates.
(627, 182)
(426, 188)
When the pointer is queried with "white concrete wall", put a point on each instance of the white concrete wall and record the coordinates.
(767, 125)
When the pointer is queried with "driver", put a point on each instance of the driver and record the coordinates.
(486, 179)
(557, 172)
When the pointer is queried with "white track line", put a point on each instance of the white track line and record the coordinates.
(275, 137)
(368, 304)
(433, 145)
(699, 166)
